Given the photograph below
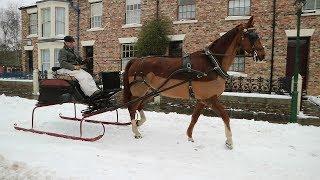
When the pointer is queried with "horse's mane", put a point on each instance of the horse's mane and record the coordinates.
(220, 45)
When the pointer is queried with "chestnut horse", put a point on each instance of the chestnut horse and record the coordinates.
(150, 74)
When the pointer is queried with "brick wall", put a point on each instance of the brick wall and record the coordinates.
(211, 22)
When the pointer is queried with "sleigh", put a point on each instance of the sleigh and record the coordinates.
(66, 89)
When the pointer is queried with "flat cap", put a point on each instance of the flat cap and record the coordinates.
(68, 39)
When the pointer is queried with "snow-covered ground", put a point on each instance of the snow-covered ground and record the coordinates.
(261, 151)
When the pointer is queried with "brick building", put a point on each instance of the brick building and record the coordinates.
(109, 29)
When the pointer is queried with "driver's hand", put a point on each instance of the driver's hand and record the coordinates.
(77, 67)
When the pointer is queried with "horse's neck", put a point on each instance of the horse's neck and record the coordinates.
(231, 53)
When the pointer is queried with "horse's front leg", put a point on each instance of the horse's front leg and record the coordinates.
(220, 110)
(134, 118)
(195, 115)
(142, 115)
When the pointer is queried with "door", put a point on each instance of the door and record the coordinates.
(30, 61)
(303, 65)
(89, 58)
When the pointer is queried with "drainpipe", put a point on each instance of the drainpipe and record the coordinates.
(77, 10)
(157, 13)
(272, 44)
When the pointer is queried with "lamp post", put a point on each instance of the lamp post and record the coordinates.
(294, 100)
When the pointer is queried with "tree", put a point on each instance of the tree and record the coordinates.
(153, 38)
(10, 40)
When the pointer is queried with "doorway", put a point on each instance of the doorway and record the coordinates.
(88, 50)
(304, 57)
(29, 61)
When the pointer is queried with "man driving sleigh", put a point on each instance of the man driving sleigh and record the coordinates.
(72, 64)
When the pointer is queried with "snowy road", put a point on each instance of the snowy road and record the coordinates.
(261, 151)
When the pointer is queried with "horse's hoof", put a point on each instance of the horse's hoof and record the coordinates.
(138, 136)
(190, 139)
(229, 145)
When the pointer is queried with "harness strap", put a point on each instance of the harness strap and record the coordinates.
(216, 64)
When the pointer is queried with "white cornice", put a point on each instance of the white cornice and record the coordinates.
(87, 43)
(32, 10)
(128, 40)
(94, 1)
(178, 37)
(303, 32)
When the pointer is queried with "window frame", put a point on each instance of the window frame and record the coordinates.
(315, 9)
(193, 5)
(63, 22)
(44, 23)
(125, 60)
(249, 14)
(33, 25)
(237, 66)
(95, 22)
(56, 62)
(42, 51)
(136, 12)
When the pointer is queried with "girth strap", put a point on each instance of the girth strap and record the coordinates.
(186, 64)
(216, 64)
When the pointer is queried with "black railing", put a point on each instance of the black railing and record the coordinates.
(258, 85)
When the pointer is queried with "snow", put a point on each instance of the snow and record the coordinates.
(315, 99)
(257, 95)
(261, 151)
(16, 80)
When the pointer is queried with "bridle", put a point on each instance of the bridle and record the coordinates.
(252, 36)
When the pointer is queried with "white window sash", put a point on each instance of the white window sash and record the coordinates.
(60, 21)
(45, 59)
(133, 11)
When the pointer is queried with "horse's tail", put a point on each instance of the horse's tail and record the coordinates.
(126, 86)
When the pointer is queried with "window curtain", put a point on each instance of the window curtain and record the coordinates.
(60, 21)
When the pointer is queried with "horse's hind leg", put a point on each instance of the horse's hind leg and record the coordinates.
(220, 110)
(195, 115)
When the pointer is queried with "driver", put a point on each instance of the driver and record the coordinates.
(71, 64)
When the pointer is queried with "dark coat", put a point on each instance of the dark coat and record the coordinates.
(68, 58)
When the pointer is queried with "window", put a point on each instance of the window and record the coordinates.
(45, 60)
(127, 52)
(56, 56)
(133, 11)
(239, 62)
(45, 22)
(312, 5)
(96, 14)
(33, 23)
(239, 7)
(60, 21)
(187, 9)
(175, 49)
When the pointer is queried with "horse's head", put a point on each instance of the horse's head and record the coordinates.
(251, 42)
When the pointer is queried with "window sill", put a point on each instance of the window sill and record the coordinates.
(237, 74)
(95, 29)
(185, 21)
(311, 13)
(32, 36)
(131, 25)
(235, 18)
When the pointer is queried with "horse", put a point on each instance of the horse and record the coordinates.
(155, 74)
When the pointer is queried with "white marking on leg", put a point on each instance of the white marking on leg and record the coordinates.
(142, 118)
(135, 130)
(228, 133)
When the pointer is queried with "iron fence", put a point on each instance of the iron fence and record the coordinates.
(279, 86)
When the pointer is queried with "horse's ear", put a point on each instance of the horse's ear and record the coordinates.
(249, 23)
